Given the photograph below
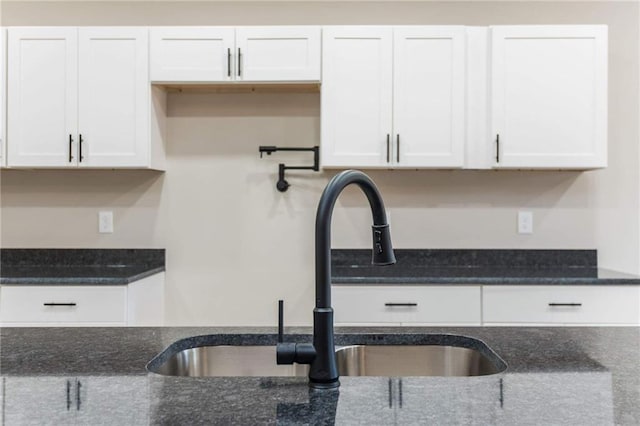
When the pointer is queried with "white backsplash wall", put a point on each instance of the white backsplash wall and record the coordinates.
(235, 245)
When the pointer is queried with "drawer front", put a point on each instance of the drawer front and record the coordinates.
(561, 304)
(371, 304)
(61, 304)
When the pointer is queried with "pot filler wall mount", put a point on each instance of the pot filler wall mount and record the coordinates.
(282, 184)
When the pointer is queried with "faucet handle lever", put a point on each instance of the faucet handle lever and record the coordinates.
(285, 352)
(288, 353)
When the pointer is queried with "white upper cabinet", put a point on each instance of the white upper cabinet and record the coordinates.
(113, 97)
(191, 54)
(549, 96)
(278, 53)
(514, 97)
(429, 96)
(356, 104)
(393, 97)
(223, 54)
(42, 119)
(3, 97)
(78, 97)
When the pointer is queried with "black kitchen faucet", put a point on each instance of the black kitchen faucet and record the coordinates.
(320, 354)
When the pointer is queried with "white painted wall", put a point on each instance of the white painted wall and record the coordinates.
(235, 245)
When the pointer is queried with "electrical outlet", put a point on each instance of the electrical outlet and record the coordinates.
(105, 222)
(525, 222)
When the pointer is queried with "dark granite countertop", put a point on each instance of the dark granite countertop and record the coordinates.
(480, 267)
(78, 266)
(563, 375)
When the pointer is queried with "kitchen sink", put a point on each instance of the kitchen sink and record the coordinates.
(419, 360)
(223, 360)
(352, 360)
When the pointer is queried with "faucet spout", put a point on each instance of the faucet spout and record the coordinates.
(382, 249)
(324, 370)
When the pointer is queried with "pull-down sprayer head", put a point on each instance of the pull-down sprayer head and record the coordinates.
(382, 249)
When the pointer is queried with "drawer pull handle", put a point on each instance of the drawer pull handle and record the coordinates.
(60, 304)
(565, 304)
(400, 304)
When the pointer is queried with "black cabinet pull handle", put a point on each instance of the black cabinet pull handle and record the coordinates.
(398, 147)
(60, 304)
(228, 62)
(280, 321)
(68, 395)
(388, 149)
(239, 62)
(497, 148)
(80, 156)
(565, 304)
(401, 304)
(78, 395)
(70, 148)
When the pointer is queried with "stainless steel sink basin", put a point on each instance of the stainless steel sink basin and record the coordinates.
(358, 360)
(422, 360)
(215, 361)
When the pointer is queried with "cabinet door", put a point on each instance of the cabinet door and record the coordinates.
(192, 54)
(356, 96)
(114, 97)
(43, 98)
(549, 96)
(368, 400)
(278, 53)
(123, 400)
(39, 401)
(3, 97)
(428, 96)
(145, 301)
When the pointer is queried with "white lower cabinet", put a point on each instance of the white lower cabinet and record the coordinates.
(371, 304)
(121, 400)
(140, 303)
(602, 305)
(403, 304)
(64, 304)
(79, 400)
(37, 400)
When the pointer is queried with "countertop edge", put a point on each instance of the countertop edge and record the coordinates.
(78, 281)
(481, 281)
